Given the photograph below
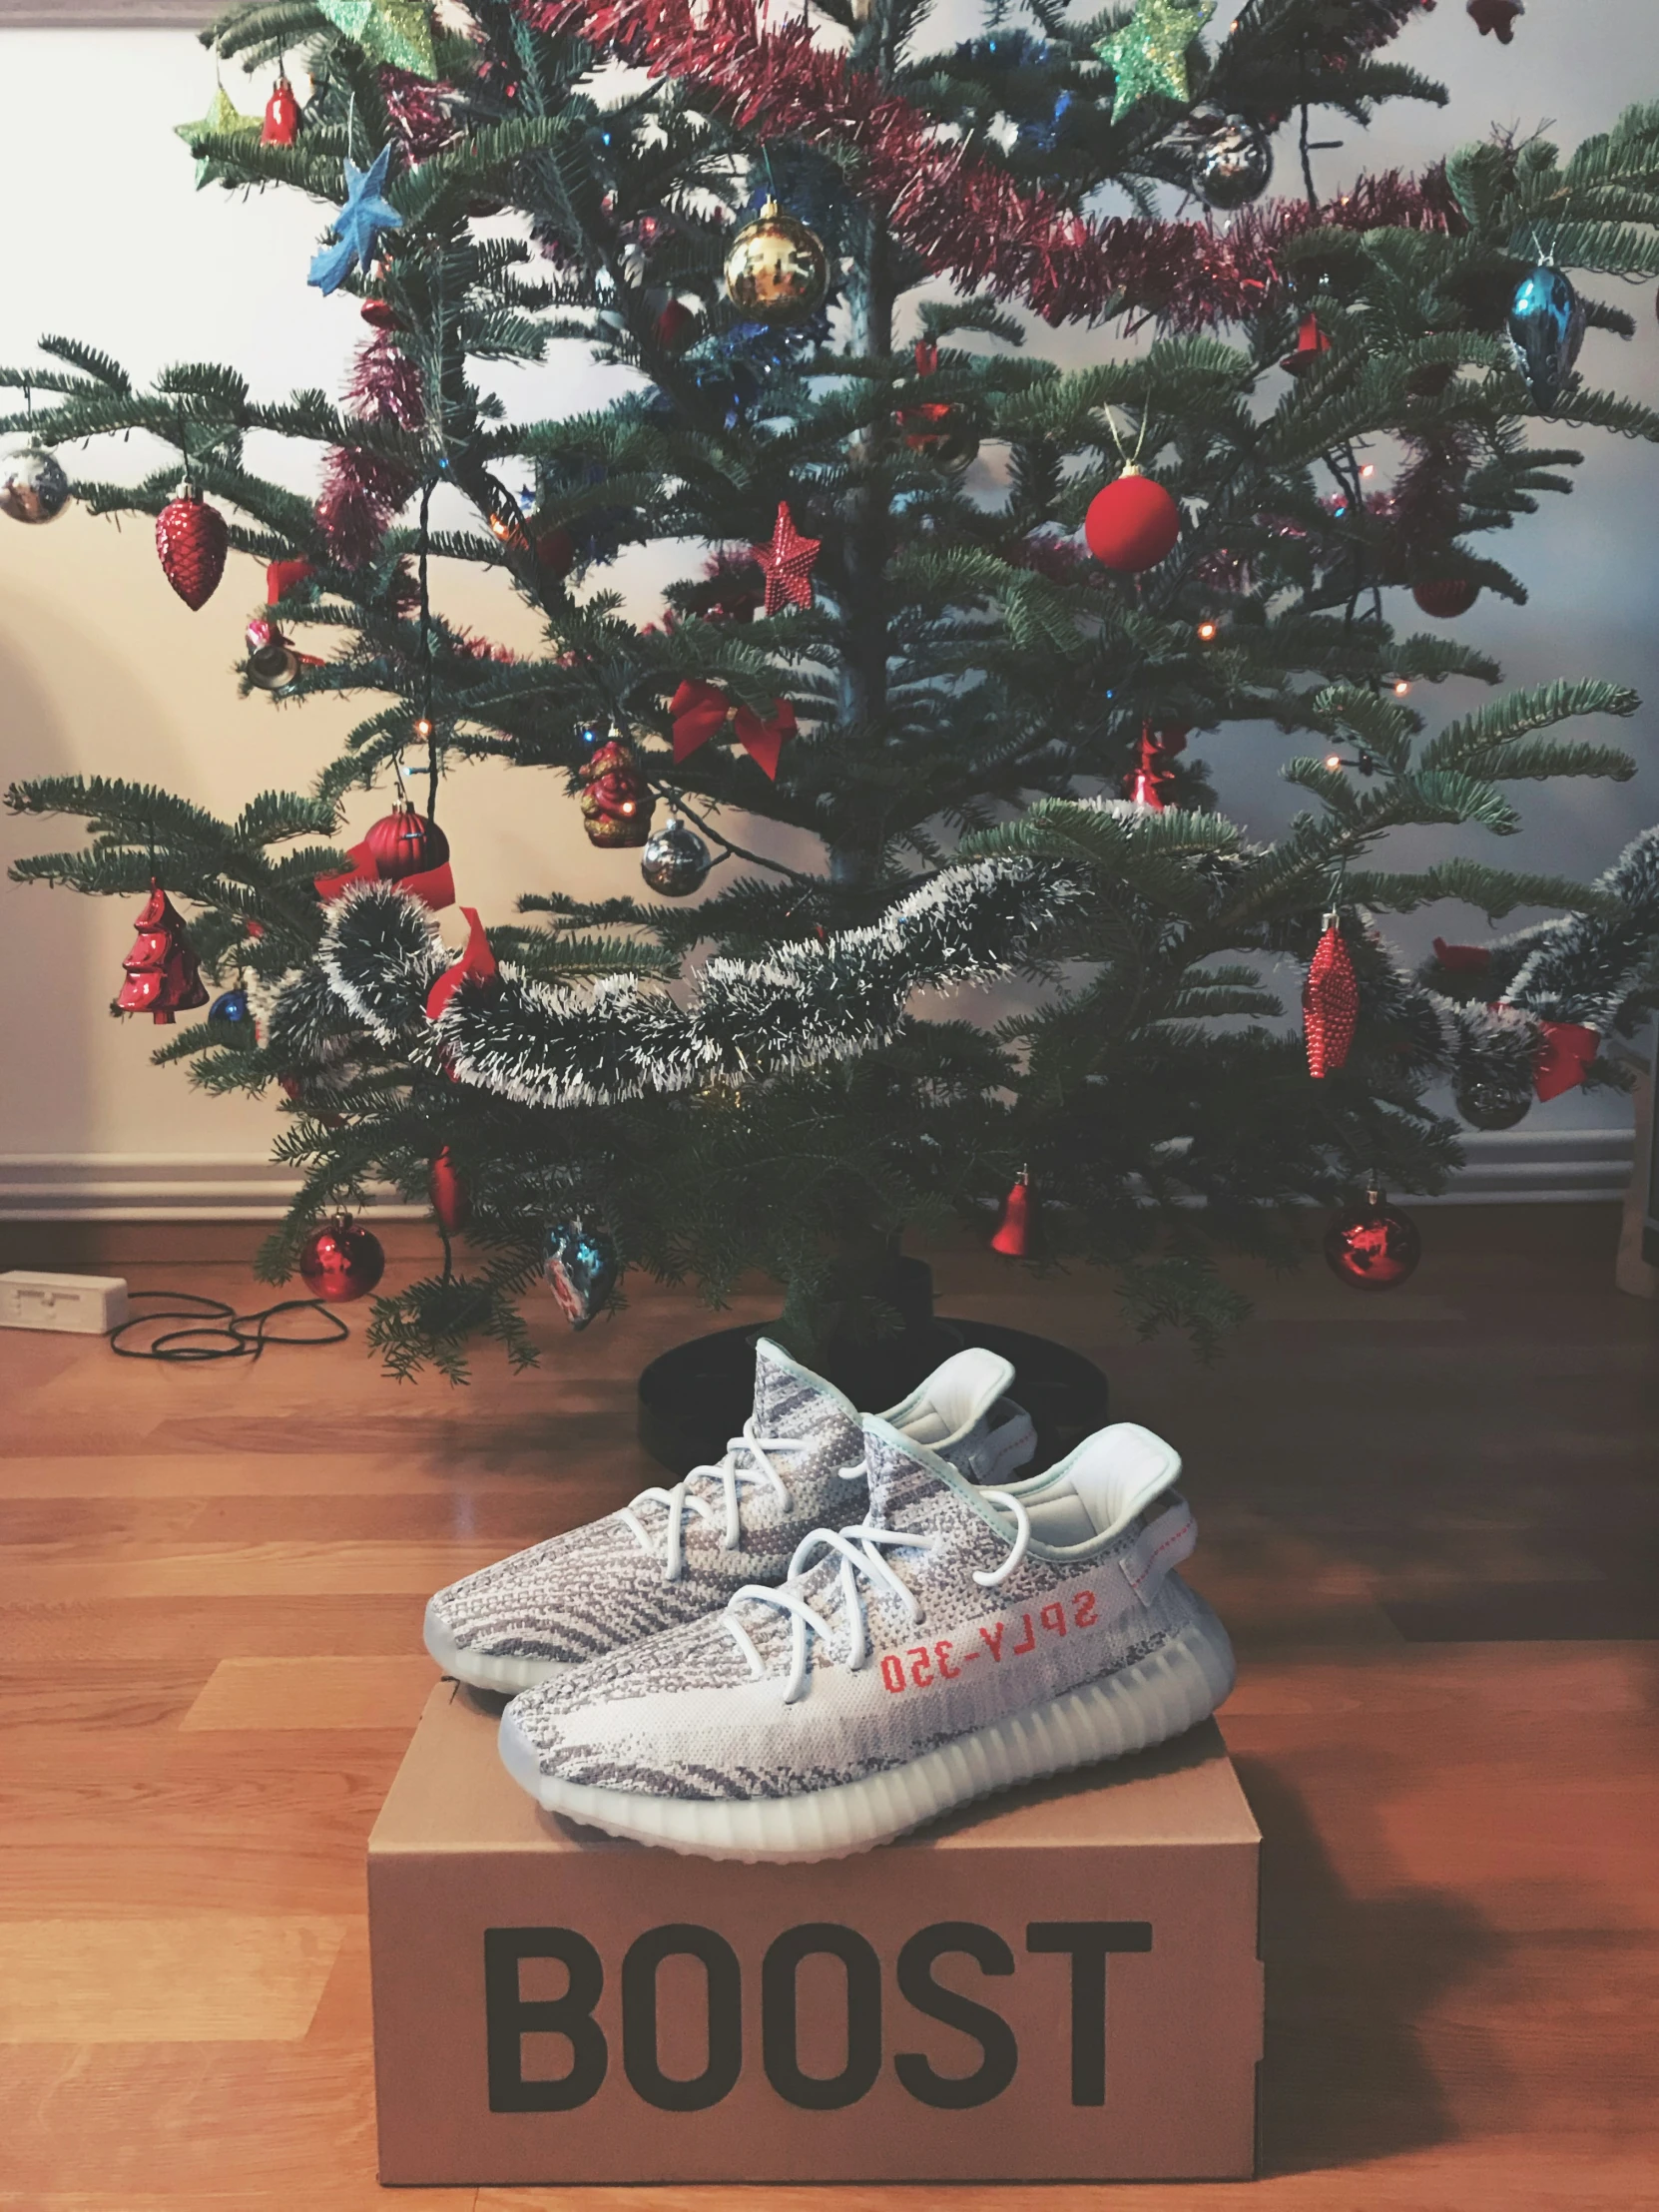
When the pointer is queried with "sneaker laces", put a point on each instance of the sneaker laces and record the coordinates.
(863, 1552)
(733, 1476)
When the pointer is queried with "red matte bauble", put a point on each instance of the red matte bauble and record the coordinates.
(1330, 1001)
(1132, 524)
(556, 551)
(342, 1262)
(1018, 1234)
(192, 540)
(1371, 1245)
(406, 844)
(1447, 597)
(281, 116)
(451, 1200)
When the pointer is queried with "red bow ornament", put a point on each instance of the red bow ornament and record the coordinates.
(1565, 1051)
(476, 965)
(701, 710)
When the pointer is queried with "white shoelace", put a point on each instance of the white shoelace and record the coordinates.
(863, 1560)
(680, 1500)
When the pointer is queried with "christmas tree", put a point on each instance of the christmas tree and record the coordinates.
(948, 615)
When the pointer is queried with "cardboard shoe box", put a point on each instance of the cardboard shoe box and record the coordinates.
(1057, 1985)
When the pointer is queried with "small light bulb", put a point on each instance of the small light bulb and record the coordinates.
(1332, 760)
(1369, 469)
(424, 728)
(1205, 631)
(627, 805)
(1402, 688)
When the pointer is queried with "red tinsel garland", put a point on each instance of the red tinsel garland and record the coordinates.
(964, 215)
(362, 491)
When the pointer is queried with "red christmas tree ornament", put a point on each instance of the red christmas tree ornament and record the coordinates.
(1446, 596)
(787, 564)
(1146, 782)
(1373, 1245)
(1310, 343)
(1499, 16)
(451, 1200)
(617, 803)
(1132, 524)
(281, 116)
(342, 1261)
(406, 844)
(476, 965)
(161, 976)
(1330, 1001)
(1018, 1234)
(192, 540)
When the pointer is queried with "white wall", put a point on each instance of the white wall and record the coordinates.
(103, 670)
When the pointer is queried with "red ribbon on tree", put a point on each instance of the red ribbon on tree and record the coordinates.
(476, 965)
(1466, 959)
(1330, 1001)
(1565, 1051)
(701, 710)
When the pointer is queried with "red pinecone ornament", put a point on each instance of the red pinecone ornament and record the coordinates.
(342, 1262)
(162, 977)
(1371, 1245)
(191, 539)
(1330, 1001)
(1499, 16)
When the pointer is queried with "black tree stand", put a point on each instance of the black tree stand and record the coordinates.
(695, 1399)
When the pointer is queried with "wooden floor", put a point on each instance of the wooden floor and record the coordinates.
(1431, 1521)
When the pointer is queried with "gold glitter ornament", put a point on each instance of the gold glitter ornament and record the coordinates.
(776, 270)
(1149, 55)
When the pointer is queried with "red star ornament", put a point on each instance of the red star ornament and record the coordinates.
(787, 564)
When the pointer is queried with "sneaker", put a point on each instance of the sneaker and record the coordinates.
(960, 1641)
(676, 1554)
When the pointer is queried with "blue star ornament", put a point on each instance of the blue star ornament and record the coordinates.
(359, 224)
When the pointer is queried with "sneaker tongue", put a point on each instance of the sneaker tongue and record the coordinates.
(902, 1475)
(789, 1400)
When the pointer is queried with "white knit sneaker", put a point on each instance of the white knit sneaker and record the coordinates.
(961, 1640)
(674, 1554)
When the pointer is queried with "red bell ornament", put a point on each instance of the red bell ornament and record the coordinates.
(1330, 1001)
(162, 975)
(192, 540)
(281, 116)
(1373, 1245)
(1018, 1234)
(1312, 345)
(406, 844)
(451, 1200)
(342, 1261)
(1132, 524)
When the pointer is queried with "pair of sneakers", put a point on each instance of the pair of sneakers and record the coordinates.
(851, 1624)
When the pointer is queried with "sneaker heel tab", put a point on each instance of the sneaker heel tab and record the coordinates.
(1120, 1472)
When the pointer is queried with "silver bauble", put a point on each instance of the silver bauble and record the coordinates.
(1487, 1104)
(1232, 162)
(34, 488)
(676, 862)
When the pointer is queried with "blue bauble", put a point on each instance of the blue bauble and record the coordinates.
(1546, 328)
(232, 1006)
(580, 1268)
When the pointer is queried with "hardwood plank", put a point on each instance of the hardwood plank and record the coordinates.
(312, 1693)
(216, 1977)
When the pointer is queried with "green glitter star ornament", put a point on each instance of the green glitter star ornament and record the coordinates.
(395, 31)
(222, 120)
(1149, 55)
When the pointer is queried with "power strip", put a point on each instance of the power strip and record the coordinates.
(84, 1305)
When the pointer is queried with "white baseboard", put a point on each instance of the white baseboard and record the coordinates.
(142, 1186)
(1542, 1167)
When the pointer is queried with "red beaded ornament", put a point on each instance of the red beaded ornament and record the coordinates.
(1330, 1001)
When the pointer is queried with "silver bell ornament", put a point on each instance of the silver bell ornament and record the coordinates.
(1232, 161)
(1546, 328)
(272, 664)
(34, 488)
(674, 861)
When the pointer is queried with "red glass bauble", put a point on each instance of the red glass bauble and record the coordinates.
(191, 539)
(380, 315)
(451, 1200)
(556, 551)
(1446, 596)
(1373, 1245)
(1132, 524)
(406, 844)
(281, 116)
(342, 1262)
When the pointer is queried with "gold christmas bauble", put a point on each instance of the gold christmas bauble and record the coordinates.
(776, 270)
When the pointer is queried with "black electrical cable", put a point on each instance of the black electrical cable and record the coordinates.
(224, 1332)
